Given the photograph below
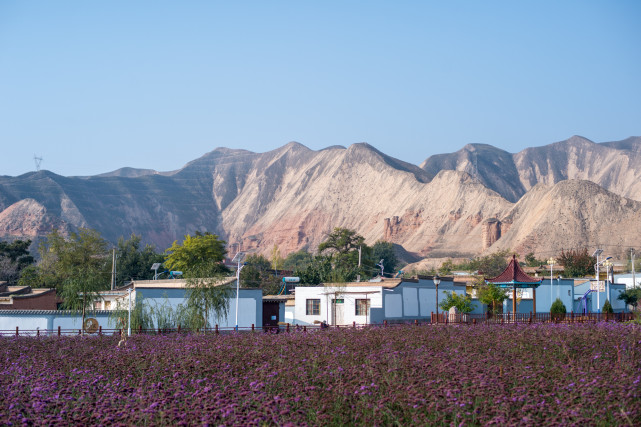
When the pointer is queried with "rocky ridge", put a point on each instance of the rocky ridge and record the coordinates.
(569, 194)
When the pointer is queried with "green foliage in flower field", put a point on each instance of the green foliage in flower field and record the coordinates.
(542, 374)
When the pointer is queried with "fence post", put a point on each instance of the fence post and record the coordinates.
(252, 327)
(37, 332)
(58, 330)
(354, 324)
(385, 323)
(17, 333)
(216, 328)
(100, 330)
(474, 321)
(140, 329)
(178, 328)
(416, 322)
(305, 328)
(287, 327)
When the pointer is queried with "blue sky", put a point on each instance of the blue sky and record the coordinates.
(95, 86)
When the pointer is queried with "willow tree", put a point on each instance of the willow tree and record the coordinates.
(81, 291)
(207, 295)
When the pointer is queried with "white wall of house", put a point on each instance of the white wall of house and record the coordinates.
(325, 295)
(9, 323)
(627, 280)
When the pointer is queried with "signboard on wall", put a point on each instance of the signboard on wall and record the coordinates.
(597, 286)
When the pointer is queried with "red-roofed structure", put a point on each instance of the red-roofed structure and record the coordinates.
(514, 277)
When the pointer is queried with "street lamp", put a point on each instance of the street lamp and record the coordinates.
(238, 258)
(597, 253)
(608, 265)
(551, 263)
(437, 281)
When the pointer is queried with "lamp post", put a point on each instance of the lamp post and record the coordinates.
(551, 263)
(238, 259)
(437, 281)
(608, 265)
(597, 253)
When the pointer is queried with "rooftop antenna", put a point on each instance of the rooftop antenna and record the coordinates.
(37, 160)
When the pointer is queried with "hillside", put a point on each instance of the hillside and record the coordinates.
(570, 194)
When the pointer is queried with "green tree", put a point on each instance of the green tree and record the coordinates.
(14, 258)
(492, 296)
(491, 265)
(385, 250)
(577, 263)
(343, 246)
(207, 297)
(258, 273)
(342, 241)
(81, 290)
(607, 307)
(318, 271)
(141, 317)
(62, 258)
(630, 297)
(200, 259)
(256, 267)
(463, 302)
(532, 261)
(276, 259)
(558, 309)
(203, 252)
(446, 268)
(298, 260)
(133, 261)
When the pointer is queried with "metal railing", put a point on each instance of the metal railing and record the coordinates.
(531, 318)
(435, 319)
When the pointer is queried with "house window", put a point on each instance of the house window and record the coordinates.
(362, 306)
(313, 307)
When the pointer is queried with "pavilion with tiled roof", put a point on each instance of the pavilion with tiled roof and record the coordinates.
(514, 277)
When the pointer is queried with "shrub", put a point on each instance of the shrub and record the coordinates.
(558, 310)
(607, 307)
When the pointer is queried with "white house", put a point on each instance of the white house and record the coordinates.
(392, 300)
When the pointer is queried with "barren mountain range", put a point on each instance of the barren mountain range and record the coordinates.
(570, 194)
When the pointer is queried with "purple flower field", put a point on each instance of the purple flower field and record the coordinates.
(575, 374)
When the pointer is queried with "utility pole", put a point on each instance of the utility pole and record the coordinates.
(358, 276)
(113, 270)
(634, 280)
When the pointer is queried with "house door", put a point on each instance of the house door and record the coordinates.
(270, 314)
(338, 309)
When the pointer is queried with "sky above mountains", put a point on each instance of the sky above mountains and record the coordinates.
(94, 86)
